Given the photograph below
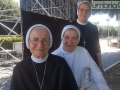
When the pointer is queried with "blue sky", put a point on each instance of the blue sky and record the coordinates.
(100, 18)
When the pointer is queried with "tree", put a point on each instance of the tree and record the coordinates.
(103, 30)
(9, 10)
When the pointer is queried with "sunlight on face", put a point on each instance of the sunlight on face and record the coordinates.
(84, 12)
(39, 42)
(70, 40)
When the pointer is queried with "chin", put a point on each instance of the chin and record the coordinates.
(69, 50)
(40, 56)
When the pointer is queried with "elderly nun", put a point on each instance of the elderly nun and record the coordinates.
(78, 57)
(41, 70)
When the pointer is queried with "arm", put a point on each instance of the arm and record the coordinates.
(98, 51)
(100, 62)
(97, 75)
(16, 82)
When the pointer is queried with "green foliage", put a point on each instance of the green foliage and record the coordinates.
(103, 30)
(7, 5)
(7, 44)
(110, 12)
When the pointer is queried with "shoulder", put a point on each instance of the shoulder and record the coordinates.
(56, 52)
(23, 63)
(93, 28)
(84, 54)
(89, 23)
(81, 49)
(92, 25)
(57, 59)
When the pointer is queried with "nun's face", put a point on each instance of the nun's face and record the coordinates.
(39, 42)
(84, 12)
(70, 40)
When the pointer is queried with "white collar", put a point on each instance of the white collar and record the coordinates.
(81, 22)
(39, 60)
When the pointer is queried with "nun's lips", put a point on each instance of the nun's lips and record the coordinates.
(70, 45)
(39, 50)
(84, 16)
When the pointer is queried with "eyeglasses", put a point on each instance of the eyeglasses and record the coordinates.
(86, 11)
(43, 41)
(66, 38)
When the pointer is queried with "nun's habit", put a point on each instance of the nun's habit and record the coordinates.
(57, 75)
(89, 34)
(80, 58)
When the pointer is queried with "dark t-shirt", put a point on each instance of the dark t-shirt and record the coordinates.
(58, 75)
(89, 32)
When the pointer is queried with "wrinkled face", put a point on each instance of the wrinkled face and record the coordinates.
(39, 42)
(84, 12)
(70, 40)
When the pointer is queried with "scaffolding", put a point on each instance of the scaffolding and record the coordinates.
(64, 9)
(8, 18)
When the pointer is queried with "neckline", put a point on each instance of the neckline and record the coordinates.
(40, 85)
(83, 36)
(39, 60)
(81, 22)
(71, 67)
(68, 53)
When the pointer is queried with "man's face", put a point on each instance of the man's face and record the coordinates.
(84, 12)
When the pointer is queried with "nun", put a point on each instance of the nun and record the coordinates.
(89, 32)
(41, 70)
(78, 57)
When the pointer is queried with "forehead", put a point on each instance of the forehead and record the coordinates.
(39, 31)
(70, 32)
(84, 5)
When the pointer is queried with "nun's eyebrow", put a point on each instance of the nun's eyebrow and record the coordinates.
(72, 36)
(35, 38)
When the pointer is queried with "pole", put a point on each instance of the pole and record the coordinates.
(108, 28)
(118, 42)
(109, 41)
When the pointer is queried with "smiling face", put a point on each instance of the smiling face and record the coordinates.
(70, 40)
(39, 42)
(84, 12)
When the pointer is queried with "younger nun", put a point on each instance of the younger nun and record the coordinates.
(78, 57)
